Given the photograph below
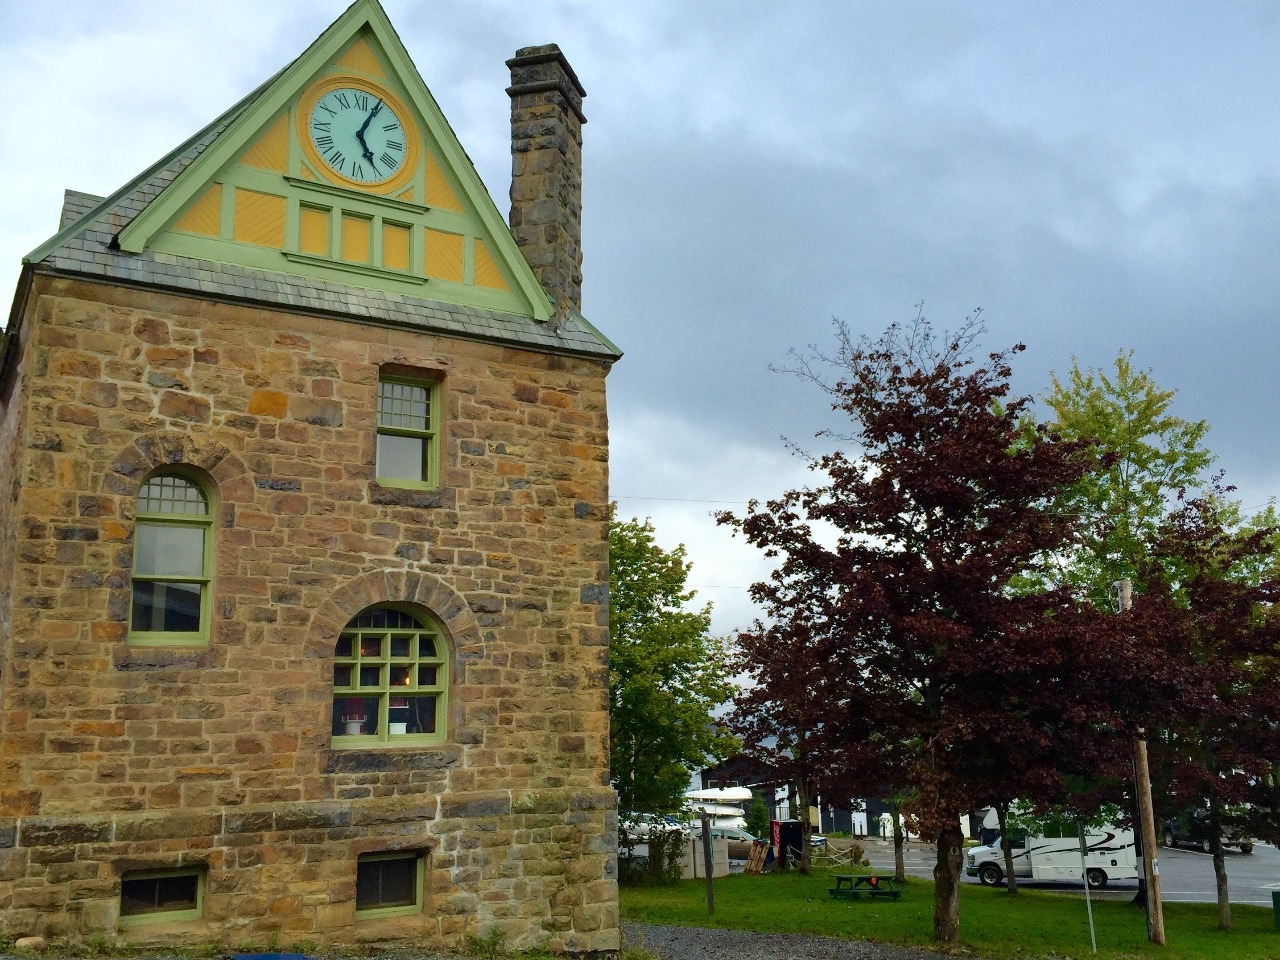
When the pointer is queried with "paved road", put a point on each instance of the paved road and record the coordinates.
(1186, 876)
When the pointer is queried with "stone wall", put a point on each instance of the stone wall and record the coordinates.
(118, 757)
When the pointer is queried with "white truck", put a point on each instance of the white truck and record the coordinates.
(1109, 855)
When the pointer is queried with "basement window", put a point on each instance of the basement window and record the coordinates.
(389, 884)
(161, 895)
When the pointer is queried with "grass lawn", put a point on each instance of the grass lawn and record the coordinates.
(1034, 924)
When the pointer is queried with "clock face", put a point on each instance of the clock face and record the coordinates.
(358, 135)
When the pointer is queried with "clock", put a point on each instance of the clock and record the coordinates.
(358, 132)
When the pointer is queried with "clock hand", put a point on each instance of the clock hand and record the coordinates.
(368, 154)
(368, 120)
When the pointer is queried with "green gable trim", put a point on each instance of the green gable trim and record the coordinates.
(373, 199)
(328, 263)
(145, 230)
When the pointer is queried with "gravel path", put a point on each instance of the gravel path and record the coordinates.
(676, 943)
(697, 943)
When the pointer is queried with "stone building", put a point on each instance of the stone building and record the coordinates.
(303, 554)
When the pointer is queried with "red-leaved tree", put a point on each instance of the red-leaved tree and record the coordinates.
(896, 641)
(1208, 598)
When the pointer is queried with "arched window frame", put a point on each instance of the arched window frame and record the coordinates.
(395, 650)
(165, 519)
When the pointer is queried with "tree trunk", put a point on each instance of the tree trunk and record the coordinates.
(1002, 815)
(1219, 865)
(899, 861)
(806, 828)
(946, 885)
(1139, 898)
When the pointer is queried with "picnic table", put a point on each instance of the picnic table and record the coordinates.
(852, 886)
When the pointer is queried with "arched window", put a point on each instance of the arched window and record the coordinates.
(390, 680)
(172, 562)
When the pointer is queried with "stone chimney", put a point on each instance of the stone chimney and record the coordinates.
(546, 171)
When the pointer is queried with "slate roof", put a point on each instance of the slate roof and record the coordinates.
(85, 248)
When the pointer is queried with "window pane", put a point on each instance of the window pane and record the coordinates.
(426, 647)
(400, 676)
(158, 894)
(398, 884)
(164, 549)
(404, 406)
(426, 676)
(168, 607)
(371, 647)
(402, 458)
(400, 645)
(422, 715)
(355, 716)
(370, 676)
(386, 883)
(171, 494)
(342, 676)
(343, 647)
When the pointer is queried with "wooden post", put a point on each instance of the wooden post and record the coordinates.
(707, 860)
(1146, 813)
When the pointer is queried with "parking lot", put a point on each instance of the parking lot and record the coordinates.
(1185, 875)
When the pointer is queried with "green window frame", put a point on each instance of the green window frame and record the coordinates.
(389, 884)
(170, 591)
(390, 681)
(408, 453)
(161, 896)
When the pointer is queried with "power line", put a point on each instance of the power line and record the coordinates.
(674, 499)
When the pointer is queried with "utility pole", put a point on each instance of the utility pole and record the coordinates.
(1146, 814)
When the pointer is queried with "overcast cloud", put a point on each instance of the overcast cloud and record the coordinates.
(1095, 176)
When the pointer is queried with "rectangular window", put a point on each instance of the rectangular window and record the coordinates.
(172, 562)
(408, 434)
(389, 884)
(161, 895)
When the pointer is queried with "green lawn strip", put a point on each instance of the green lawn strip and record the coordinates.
(1034, 924)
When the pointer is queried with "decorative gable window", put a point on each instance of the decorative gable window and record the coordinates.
(172, 562)
(390, 680)
(408, 432)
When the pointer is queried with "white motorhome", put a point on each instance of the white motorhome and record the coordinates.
(1109, 856)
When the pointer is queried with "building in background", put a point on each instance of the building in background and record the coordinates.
(303, 553)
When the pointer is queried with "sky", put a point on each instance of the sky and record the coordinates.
(1095, 177)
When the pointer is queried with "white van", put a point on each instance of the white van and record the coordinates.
(1110, 856)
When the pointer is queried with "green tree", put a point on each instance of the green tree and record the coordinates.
(1148, 456)
(758, 818)
(667, 674)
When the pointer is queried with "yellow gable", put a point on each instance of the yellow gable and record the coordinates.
(328, 185)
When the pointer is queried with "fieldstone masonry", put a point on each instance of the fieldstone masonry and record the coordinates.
(546, 170)
(116, 757)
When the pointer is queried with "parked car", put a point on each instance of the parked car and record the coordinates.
(1191, 828)
(640, 826)
(739, 841)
